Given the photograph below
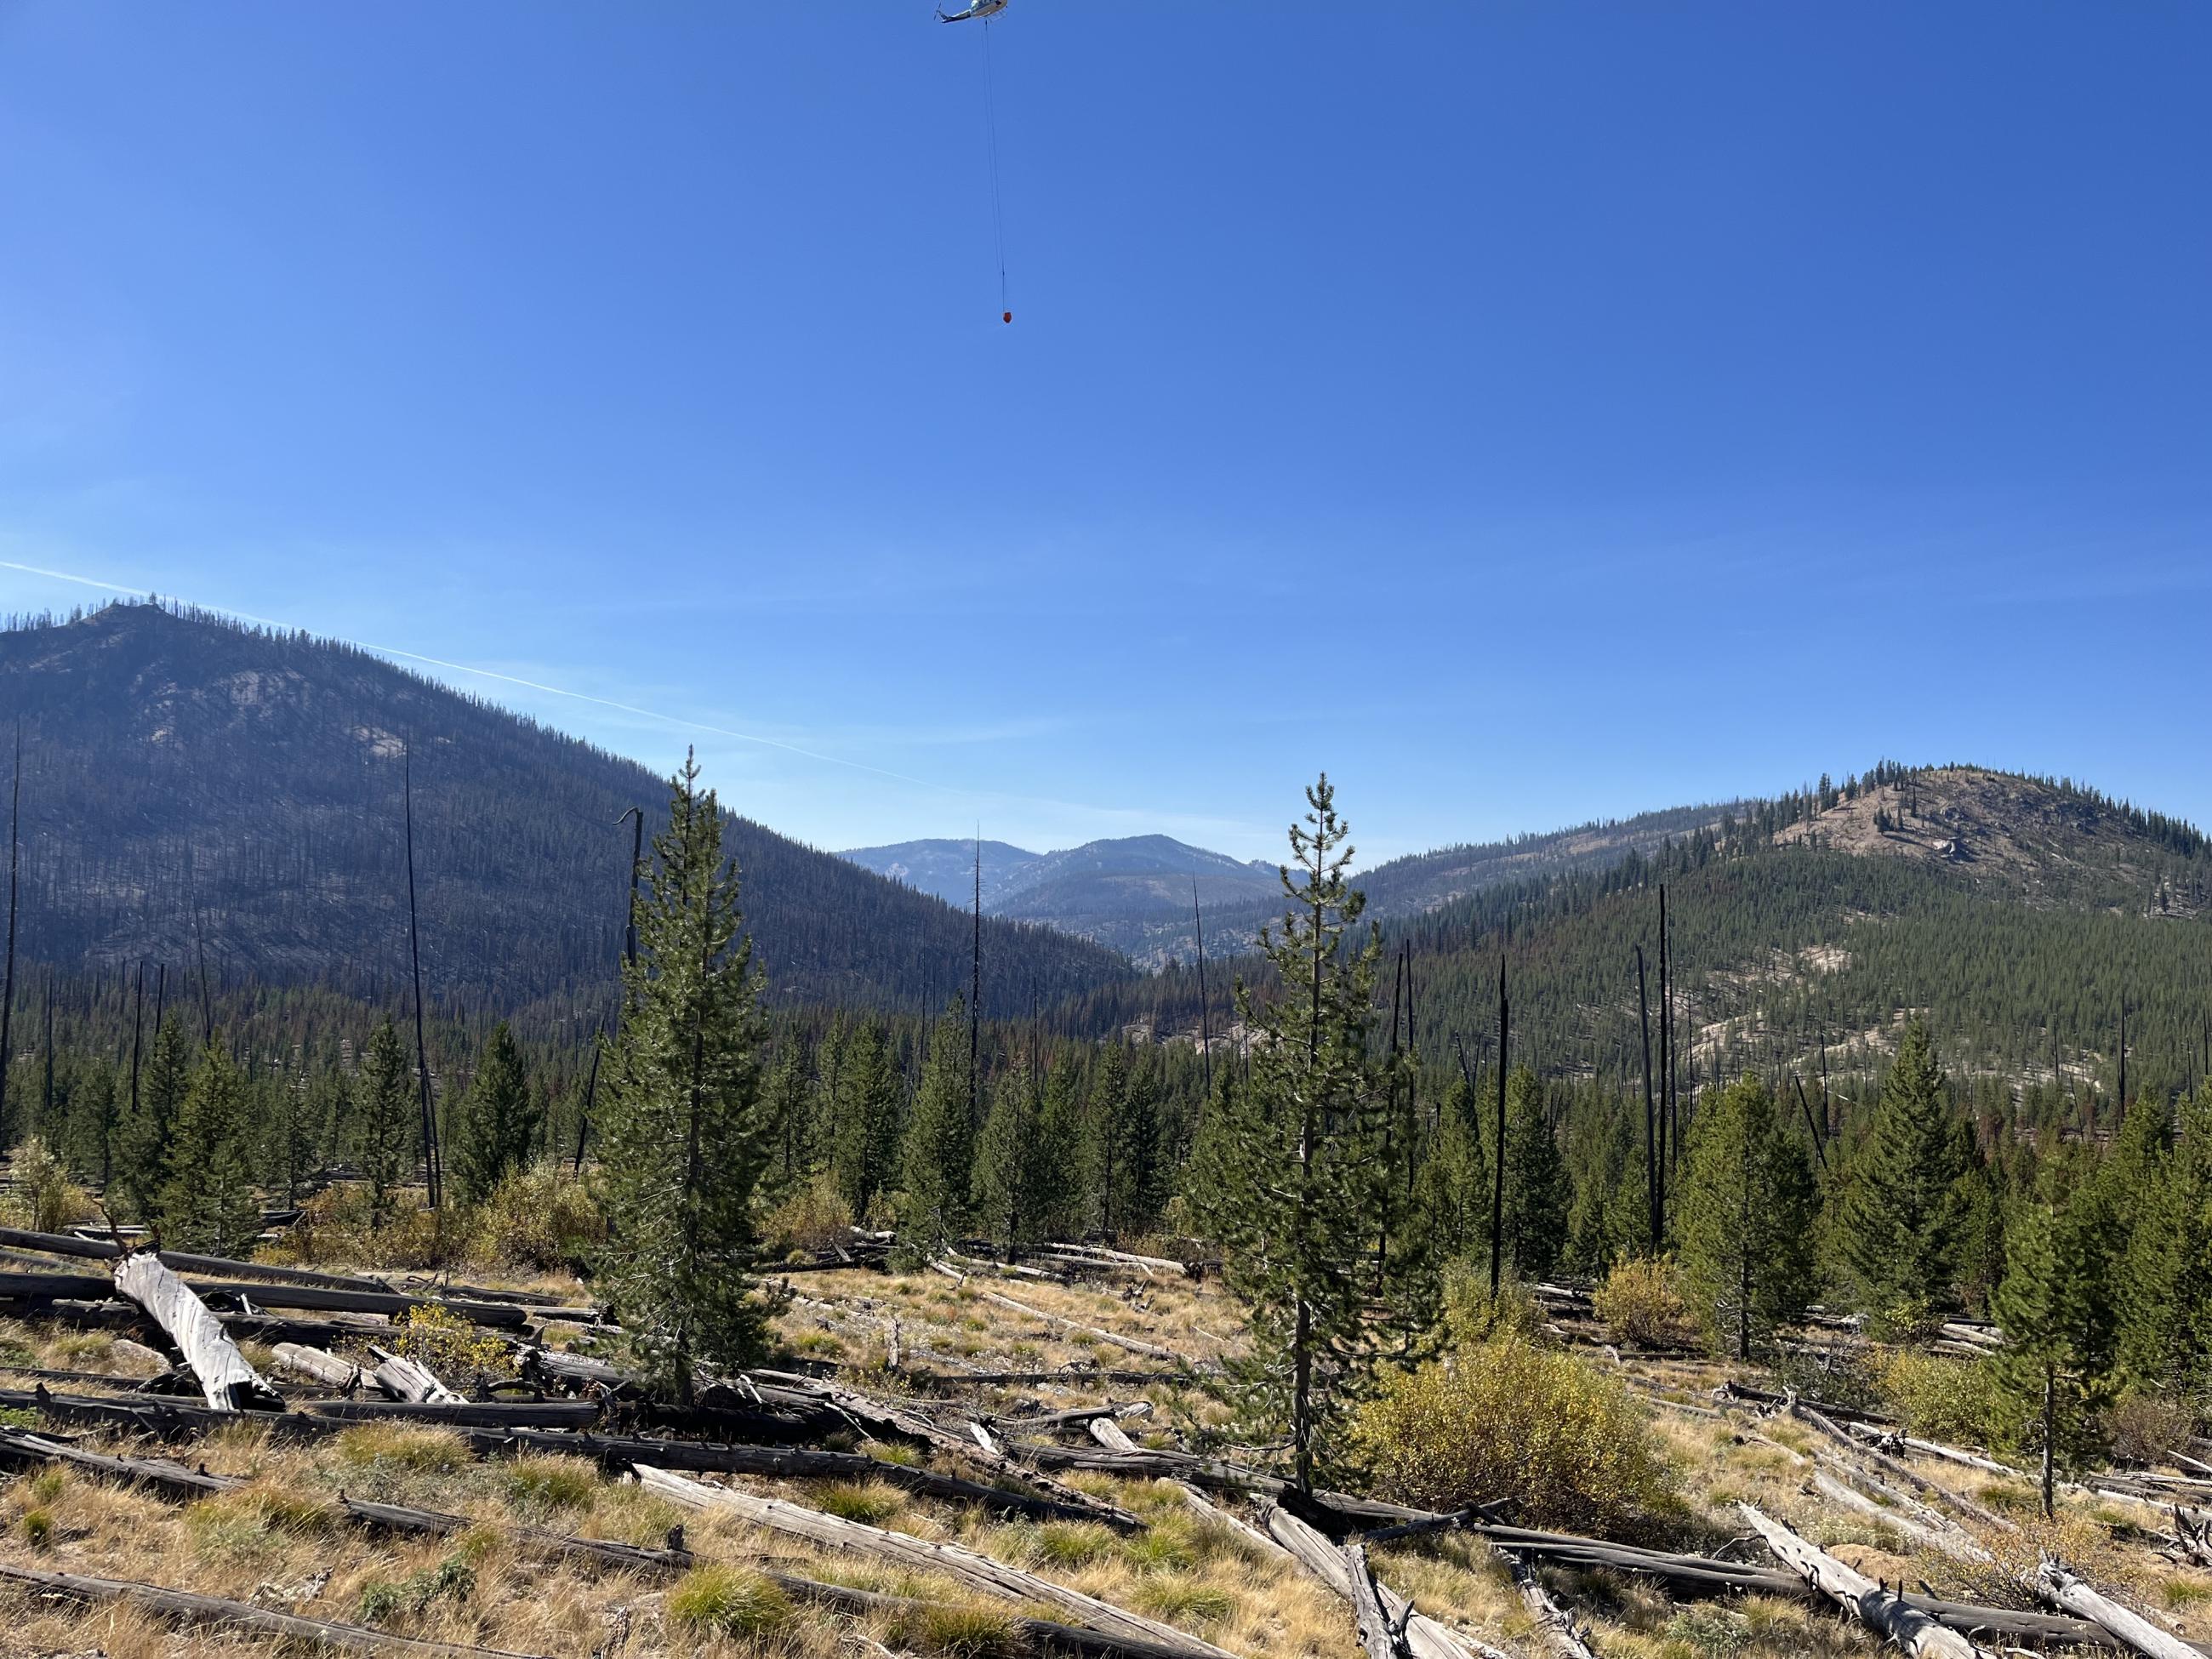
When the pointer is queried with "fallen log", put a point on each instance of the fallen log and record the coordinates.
(318, 1364)
(1888, 1616)
(409, 1379)
(1128, 1344)
(1902, 1471)
(497, 1414)
(1943, 1538)
(94, 1249)
(1733, 1389)
(892, 1419)
(213, 1611)
(1382, 1635)
(1147, 1463)
(225, 1378)
(979, 1571)
(22, 1448)
(2126, 1627)
(1426, 1638)
(1552, 1625)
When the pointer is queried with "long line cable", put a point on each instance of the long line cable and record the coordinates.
(997, 213)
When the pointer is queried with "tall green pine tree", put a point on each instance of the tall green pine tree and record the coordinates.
(683, 1141)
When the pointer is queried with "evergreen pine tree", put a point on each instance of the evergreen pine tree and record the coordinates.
(384, 1126)
(864, 1122)
(1744, 1217)
(1452, 1193)
(1009, 1191)
(1300, 1162)
(2166, 1290)
(939, 1153)
(1899, 1226)
(143, 1139)
(210, 1203)
(499, 1119)
(683, 1139)
(1536, 1195)
(1059, 1148)
(2055, 1309)
(784, 1101)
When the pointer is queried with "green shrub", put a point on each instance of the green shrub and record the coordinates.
(451, 1579)
(454, 1350)
(538, 1219)
(38, 1529)
(1507, 1420)
(1939, 1398)
(732, 1603)
(1639, 1304)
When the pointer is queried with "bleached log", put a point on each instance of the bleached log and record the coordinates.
(1382, 1635)
(215, 1611)
(1552, 1625)
(410, 1380)
(1931, 1449)
(1426, 1638)
(19, 1447)
(1902, 1471)
(2129, 1628)
(1939, 1535)
(1128, 1344)
(67, 1244)
(1886, 1615)
(318, 1364)
(978, 1572)
(1212, 1513)
(225, 1378)
(1107, 1433)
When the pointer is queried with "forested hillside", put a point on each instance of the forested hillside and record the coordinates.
(200, 793)
(2015, 913)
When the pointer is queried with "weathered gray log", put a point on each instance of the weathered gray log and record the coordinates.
(1129, 1344)
(1036, 1636)
(215, 1611)
(1383, 1636)
(1076, 1417)
(225, 1378)
(1212, 1513)
(22, 1449)
(892, 1419)
(980, 1571)
(2127, 1627)
(409, 1379)
(1940, 1536)
(1902, 1471)
(1210, 1473)
(494, 1415)
(1886, 1615)
(319, 1364)
(96, 1249)
(1552, 1625)
(1109, 1433)
(1425, 1636)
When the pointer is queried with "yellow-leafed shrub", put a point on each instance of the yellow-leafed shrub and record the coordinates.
(538, 1219)
(1943, 1399)
(1640, 1304)
(1507, 1420)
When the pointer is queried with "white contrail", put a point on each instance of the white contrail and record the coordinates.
(516, 679)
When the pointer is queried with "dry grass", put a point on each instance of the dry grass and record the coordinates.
(278, 1542)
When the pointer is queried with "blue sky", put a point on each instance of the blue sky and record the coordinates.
(1525, 412)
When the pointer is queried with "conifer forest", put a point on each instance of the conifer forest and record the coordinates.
(1022, 829)
(1487, 1253)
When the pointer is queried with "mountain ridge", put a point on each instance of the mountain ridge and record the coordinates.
(198, 789)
